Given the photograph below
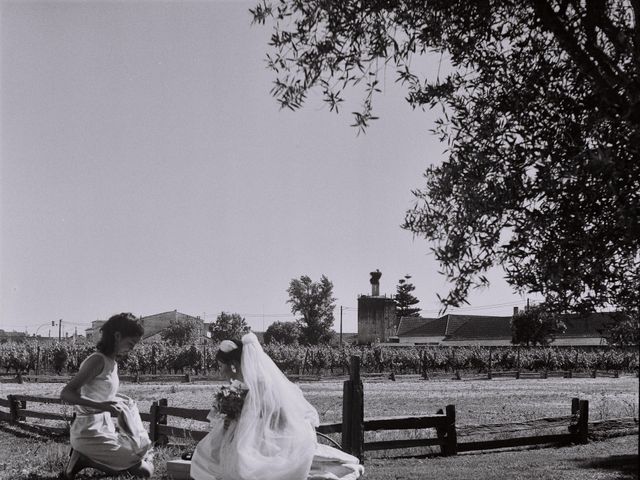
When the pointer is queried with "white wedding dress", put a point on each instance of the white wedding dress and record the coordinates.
(274, 438)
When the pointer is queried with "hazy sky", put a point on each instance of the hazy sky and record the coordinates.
(146, 168)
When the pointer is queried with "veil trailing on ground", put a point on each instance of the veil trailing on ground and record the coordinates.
(276, 427)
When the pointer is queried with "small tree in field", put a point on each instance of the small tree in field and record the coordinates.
(314, 302)
(228, 326)
(535, 326)
(180, 332)
(283, 332)
(405, 300)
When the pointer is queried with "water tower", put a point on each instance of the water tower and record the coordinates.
(376, 314)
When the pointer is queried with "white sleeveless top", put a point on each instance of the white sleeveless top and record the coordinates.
(102, 388)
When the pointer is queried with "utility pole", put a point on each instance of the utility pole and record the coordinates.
(60, 330)
(340, 325)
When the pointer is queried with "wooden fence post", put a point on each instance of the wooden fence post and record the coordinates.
(157, 419)
(583, 422)
(13, 409)
(347, 401)
(575, 410)
(153, 423)
(575, 406)
(353, 411)
(441, 433)
(452, 436)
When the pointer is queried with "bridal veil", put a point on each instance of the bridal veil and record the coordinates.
(276, 428)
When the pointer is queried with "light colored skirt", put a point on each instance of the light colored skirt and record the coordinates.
(332, 464)
(96, 437)
(214, 457)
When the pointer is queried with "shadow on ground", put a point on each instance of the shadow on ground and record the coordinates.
(33, 433)
(626, 465)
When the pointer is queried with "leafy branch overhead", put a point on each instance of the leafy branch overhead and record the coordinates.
(540, 120)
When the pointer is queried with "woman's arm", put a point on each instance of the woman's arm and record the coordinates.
(89, 370)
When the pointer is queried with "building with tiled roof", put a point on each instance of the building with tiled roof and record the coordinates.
(429, 331)
(465, 330)
(479, 329)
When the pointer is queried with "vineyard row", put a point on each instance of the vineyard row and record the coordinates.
(62, 357)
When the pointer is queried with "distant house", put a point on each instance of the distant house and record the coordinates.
(93, 332)
(155, 324)
(466, 330)
(6, 337)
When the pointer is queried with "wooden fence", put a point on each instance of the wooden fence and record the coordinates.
(353, 425)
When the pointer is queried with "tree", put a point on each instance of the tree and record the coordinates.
(405, 299)
(180, 332)
(228, 326)
(314, 302)
(282, 332)
(535, 326)
(60, 356)
(541, 121)
(623, 330)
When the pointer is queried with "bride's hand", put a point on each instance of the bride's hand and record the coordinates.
(111, 406)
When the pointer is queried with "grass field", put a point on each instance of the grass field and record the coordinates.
(477, 402)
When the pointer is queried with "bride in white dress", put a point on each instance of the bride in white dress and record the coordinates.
(274, 436)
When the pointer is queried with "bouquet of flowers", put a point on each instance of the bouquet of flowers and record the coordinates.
(229, 401)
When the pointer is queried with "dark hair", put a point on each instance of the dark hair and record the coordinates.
(233, 355)
(124, 323)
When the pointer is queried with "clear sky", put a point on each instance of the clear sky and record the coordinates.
(146, 168)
